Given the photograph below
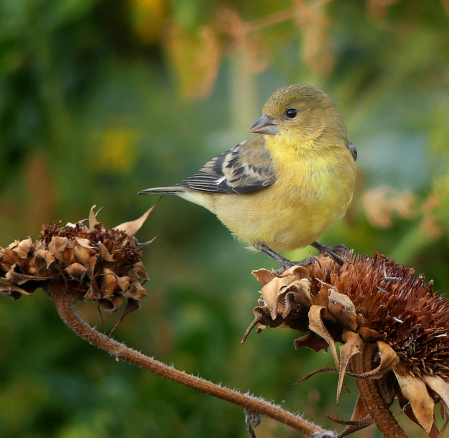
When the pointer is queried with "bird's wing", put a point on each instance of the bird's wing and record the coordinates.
(353, 150)
(243, 169)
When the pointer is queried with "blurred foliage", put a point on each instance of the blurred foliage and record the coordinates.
(102, 98)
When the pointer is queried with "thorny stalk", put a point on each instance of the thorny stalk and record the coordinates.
(371, 395)
(62, 303)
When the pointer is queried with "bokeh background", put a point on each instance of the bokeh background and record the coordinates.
(102, 98)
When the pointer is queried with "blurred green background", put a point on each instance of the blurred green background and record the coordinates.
(102, 98)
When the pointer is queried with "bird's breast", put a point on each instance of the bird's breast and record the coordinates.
(307, 198)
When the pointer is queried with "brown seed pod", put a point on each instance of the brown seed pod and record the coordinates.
(85, 260)
(382, 314)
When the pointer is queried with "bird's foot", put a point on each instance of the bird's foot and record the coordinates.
(332, 251)
(285, 263)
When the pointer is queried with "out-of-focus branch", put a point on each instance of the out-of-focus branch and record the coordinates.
(62, 304)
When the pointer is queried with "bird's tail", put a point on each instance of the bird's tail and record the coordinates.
(168, 190)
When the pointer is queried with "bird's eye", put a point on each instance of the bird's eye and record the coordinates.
(291, 113)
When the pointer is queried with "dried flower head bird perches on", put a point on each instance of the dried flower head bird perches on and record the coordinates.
(392, 326)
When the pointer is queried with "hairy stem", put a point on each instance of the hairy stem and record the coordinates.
(371, 395)
(62, 303)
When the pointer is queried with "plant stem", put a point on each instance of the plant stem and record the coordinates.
(62, 303)
(371, 395)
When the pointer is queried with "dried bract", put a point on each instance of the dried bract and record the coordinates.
(382, 314)
(85, 260)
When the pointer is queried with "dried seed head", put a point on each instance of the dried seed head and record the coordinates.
(86, 262)
(368, 301)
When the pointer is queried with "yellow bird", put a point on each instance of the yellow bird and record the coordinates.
(287, 185)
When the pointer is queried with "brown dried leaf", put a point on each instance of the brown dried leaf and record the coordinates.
(132, 227)
(415, 391)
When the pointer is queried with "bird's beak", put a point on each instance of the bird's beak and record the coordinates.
(265, 125)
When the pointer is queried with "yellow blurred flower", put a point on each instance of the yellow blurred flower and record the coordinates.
(148, 18)
(115, 152)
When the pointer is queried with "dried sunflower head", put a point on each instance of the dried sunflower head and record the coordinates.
(392, 326)
(88, 262)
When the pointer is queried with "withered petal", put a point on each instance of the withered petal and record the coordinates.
(415, 391)
(123, 282)
(440, 387)
(15, 276)
(316, 325)
(76, 271)
(8, 288)
(140, 271)
(135, 291)
(84, 257)
(85, 243)
(109, 283)
(105, 253)
(106, 305)
(92, 218)
(118, 302)
(360, 416)
(57, 245)
(45, 255)
(342, 308)
(352, 346)
(22, 248)
(313, 341)
(264, 276)
(132, 227)
(369, 335)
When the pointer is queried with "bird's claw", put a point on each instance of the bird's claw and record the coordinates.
(287, 264)
(332, 252)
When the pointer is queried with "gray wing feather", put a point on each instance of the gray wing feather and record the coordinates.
(353, 150)
(243, 169)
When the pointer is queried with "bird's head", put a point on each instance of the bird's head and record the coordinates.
(301, 112)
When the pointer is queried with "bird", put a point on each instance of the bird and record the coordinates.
(283, 188)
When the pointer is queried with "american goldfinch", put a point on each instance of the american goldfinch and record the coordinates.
(287, 185)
